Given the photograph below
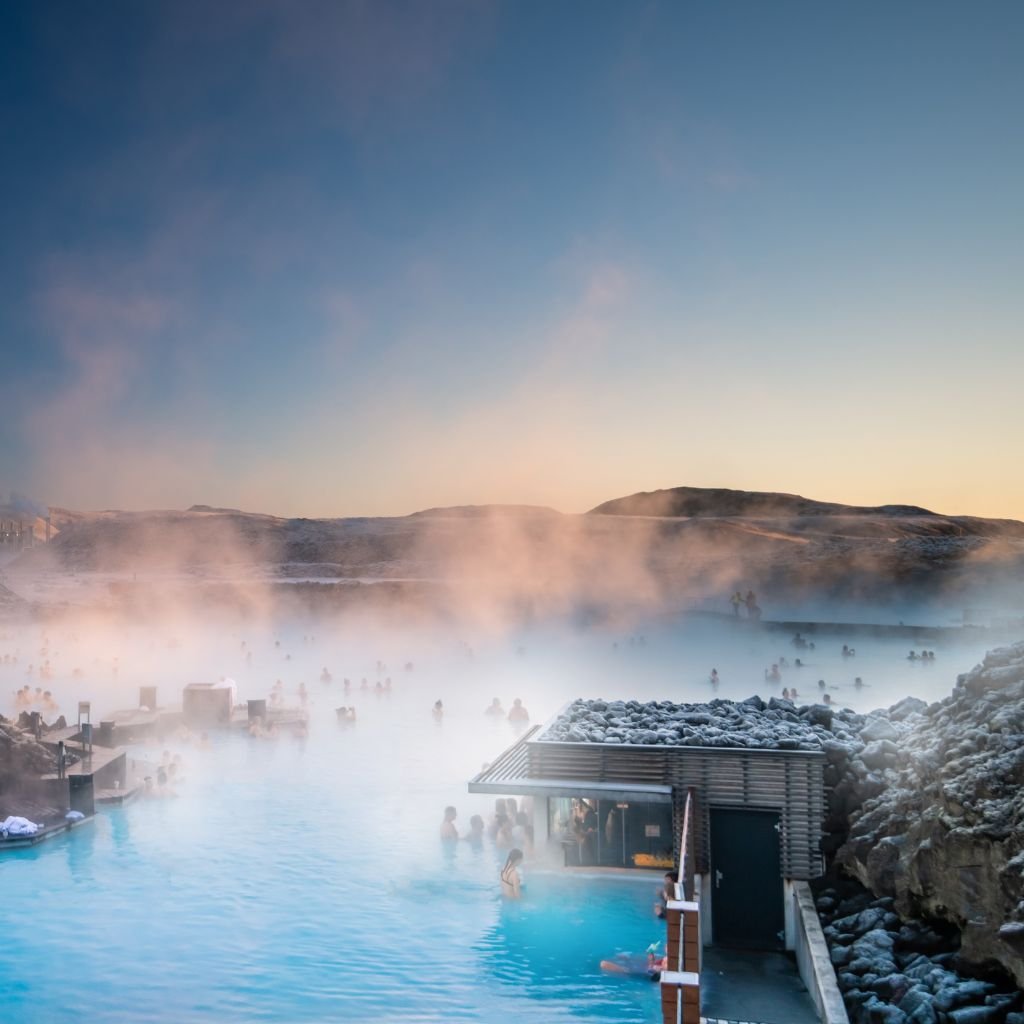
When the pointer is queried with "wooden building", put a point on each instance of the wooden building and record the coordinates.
(757, 818)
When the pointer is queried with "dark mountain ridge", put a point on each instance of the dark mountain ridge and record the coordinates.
(723, 501)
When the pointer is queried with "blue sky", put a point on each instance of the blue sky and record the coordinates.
(362, 258)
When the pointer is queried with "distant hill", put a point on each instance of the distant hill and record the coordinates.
(657, 550)
(721, 501)
(478, 511)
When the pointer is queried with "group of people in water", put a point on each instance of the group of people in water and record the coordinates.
(749, 602)
(40, 700)
(774, 673)
(510, 828)
(516, 713)
(169, 773)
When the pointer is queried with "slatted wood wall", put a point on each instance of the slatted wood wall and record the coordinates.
(790, 782)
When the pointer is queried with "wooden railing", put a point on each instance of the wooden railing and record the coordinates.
(684, 877)
(680, 981)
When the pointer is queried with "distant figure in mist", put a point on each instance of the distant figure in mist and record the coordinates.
(798, 642)
(475, 835)
(437, 711)
(517, 713)
(522, 831)
(714, 680)
(448, 829)
(503, 836)
(511, 884)
(848, 652)
(773, 675)
(500, 813)
(495, 708)
(736, 600)
(325, 677)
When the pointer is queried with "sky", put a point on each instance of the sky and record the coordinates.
(362, 258)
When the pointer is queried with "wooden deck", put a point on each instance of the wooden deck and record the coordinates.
(44, 834)
(88, 764)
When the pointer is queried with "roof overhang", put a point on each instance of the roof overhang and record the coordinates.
(507, 775)
(569, 787)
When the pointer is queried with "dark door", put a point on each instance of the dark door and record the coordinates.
(746, 879)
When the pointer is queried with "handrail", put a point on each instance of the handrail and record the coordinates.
(684, 877)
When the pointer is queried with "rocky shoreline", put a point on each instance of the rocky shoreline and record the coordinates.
(936, 820)
(23, 761)
(893, 970)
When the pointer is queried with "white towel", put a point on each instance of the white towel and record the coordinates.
(15, 826)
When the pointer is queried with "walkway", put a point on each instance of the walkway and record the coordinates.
(740, 987)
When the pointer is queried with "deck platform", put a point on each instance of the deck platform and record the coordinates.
(44, 834)
(88, 763)
(753, 988)
(280, 718)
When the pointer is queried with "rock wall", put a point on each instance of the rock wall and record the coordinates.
(899, 971)
(21, 757)
(935, 807)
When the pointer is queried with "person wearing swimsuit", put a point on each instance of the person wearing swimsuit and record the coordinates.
(510, 881)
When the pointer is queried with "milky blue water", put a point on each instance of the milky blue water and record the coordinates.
(287, 883)
(305, 881)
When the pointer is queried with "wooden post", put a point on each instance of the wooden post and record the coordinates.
(680, 984)
(680, 997)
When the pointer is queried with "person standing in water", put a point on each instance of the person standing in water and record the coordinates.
(511, 884)
(448, 830)
(517, 713)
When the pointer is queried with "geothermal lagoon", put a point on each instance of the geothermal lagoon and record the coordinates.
(304, 878)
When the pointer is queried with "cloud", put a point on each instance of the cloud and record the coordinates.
(367, 55)
(89, 436)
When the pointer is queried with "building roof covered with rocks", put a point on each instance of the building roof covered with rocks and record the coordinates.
(751, 724)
